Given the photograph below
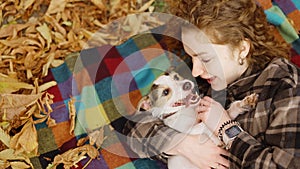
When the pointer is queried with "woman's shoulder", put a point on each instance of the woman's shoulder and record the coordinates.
(280, 70)
(282, 63)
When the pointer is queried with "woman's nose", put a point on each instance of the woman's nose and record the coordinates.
(198, 69)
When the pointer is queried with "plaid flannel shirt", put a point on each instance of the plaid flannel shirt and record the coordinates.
(272, 130)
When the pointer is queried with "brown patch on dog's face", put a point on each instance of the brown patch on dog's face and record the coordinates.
(159, 95)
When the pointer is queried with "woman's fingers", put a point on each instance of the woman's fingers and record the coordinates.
(205, 101)
(221, 167)
(208, 99)
(224, 162)
(220, 158)
(201, 108)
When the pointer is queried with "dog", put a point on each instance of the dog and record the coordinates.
(173, 99)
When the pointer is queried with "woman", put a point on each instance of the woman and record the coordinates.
(233, 49)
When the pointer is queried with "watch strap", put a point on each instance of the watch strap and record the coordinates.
(221, 133)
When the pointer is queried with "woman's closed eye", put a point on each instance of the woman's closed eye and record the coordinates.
(206, 60)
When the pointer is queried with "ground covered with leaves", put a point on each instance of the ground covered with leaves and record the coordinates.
(36, 35)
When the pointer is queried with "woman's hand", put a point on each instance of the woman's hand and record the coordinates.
(212, 114)
(202, 152)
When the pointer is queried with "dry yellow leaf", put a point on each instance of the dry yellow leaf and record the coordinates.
(4, 137)
(71, 157)
(56, 6)
(56, 62)
(19, 165)
(9, 87)
(9, 154)
(26, 4)
(72, 114)
(82, 141)
(46, 86)
(4, 164)
(99, 4)
(46, 33)
(47, 65)
(18, 100)
(25, 142)
(14, 42)
(50, 122)
(146, 6)
(6, 31)
(134, 22)
(92, 151)
(53, 22)
(97, 137)
(15, 104)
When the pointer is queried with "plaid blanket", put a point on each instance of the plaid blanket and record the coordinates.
(285, 15)
(106, 83)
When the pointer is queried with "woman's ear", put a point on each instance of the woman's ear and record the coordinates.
(244, 48)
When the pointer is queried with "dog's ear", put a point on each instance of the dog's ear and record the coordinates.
(144, 104)
(170, 70)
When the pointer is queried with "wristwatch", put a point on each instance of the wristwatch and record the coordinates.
(229, 131)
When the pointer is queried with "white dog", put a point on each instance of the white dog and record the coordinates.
(173, 99)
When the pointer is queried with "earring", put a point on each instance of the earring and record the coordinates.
(241, 61)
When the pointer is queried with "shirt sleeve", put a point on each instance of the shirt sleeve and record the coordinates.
(148, 136)
(277, 146)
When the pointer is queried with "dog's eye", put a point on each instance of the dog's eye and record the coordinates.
(165, 92)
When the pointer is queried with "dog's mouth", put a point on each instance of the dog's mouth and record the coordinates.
(190, 99)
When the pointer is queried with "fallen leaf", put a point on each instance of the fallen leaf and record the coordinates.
(15, 104)
(8, 30)
(46, 86)
(4, 137)
(4, 164)
(99, 4)
(19, 165)
(97, 137)
(145, 6)
(26, 4)
(46, 33)
(9, 85)
(25, 142)
(71, 157)
(56, 6)
(72, 114)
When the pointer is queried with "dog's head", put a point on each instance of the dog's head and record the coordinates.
(170, 92)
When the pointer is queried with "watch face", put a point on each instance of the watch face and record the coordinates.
(233, 131)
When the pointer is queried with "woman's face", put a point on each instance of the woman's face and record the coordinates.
(218, 64)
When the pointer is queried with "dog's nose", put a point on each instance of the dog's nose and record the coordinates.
(187, 86)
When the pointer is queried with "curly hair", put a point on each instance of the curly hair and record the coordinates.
(230, 22)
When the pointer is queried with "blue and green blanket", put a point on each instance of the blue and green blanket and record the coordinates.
(107, 82)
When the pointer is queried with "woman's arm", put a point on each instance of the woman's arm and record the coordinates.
(277, 144)
(148, 137)
(280, 147)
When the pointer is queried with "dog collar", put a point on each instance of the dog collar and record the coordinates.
(168, 115)
(165, 112)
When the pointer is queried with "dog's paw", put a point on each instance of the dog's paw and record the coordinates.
(249, 102)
